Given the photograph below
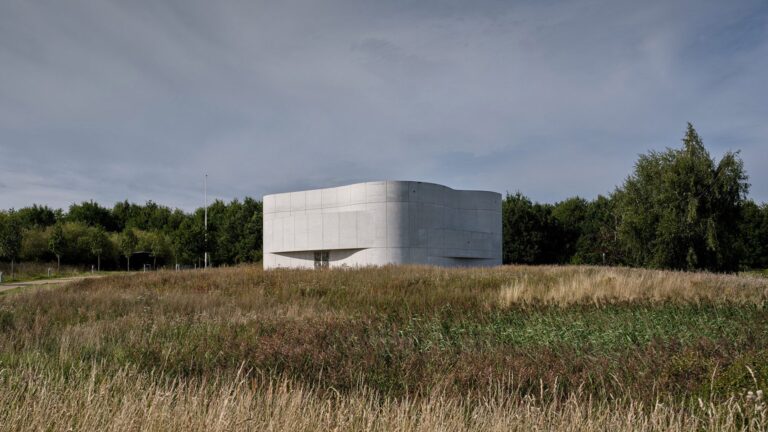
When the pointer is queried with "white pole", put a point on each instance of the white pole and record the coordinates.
(205, 194)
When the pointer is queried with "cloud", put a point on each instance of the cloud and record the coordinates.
(116, 100)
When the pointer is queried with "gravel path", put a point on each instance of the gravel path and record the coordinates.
(57, 281)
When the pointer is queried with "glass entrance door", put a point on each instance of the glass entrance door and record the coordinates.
(322, 259)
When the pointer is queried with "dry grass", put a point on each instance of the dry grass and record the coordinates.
(396, 348)
(127, 401)
(600, 285)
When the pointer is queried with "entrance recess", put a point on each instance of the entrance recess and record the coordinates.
(322, 259)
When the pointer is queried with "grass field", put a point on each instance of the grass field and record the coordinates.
(397, 348)
(28, 271)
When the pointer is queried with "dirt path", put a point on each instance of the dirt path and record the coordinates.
(58, 281)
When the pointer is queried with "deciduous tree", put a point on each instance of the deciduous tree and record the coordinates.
(10, 238)
(128, 242)
(57, 243)
(98, 242)
(681, 209)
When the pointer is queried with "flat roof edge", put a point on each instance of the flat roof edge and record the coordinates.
(383, 181)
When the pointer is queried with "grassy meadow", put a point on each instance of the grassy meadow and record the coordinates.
(394, 348)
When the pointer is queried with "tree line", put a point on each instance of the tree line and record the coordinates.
(679, 209)
(108, 238)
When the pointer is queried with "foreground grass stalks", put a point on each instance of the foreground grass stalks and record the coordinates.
(126, 400)
(395, 348)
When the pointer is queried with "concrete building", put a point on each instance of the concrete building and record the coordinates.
(378, 223)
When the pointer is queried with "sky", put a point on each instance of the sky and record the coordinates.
(136, 100)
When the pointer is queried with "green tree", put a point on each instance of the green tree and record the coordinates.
(188, 241)
(76, 250)
(681, 209)
(234, 231)
(92, 214)
(158, 247)
(598, 240)
(10, 238)
(754, 236)
(57, 243)
(128, 242)
(530, 233)
(98, 243)
(34, 245)
(38, 216)
(156, 243)
(251, 239)
(147, 217)
(571, 216)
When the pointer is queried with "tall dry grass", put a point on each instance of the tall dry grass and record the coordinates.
(587, 284)
(129, 401)
(394, 348)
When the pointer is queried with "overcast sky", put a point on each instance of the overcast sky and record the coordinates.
(109, 100)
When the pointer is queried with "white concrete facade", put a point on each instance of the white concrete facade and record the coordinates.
(379, 223)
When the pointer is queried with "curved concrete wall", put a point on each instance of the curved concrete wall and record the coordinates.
(378, 223)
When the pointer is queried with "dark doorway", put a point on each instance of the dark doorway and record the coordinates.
(322, 259)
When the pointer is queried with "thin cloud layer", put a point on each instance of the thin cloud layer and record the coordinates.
(135, 100)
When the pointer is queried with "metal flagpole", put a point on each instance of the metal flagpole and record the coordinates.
(205, 194)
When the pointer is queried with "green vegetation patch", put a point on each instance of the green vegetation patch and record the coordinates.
(594, 329)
